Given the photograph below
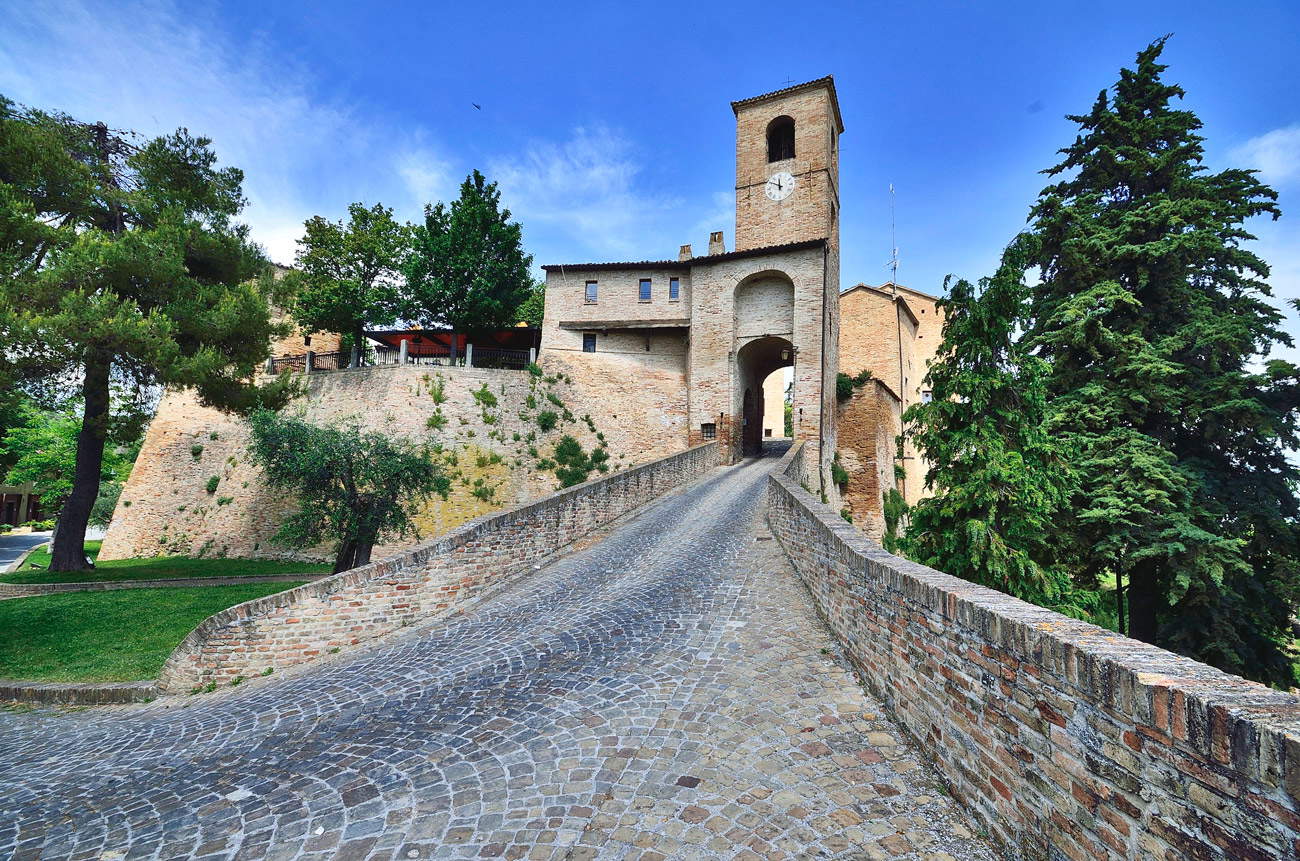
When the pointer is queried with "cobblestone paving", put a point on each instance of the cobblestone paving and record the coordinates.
(664, 693)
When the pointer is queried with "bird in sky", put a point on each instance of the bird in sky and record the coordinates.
(477, 105)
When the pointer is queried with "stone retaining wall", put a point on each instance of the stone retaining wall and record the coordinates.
(301, 624)
(1066, 740)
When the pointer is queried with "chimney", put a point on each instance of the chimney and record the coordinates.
(685, 252)
(715, 243)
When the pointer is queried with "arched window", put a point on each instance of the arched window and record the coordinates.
(780, 139)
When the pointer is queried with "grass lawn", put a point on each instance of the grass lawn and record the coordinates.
(35, 569)
(118, 636)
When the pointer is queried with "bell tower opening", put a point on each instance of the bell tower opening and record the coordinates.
(780, 139)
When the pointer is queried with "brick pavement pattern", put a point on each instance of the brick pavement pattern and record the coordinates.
(667, 692)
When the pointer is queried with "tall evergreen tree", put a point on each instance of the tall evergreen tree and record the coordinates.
(468, 271)
(1155, 323)
(998, 480)
(120, 263)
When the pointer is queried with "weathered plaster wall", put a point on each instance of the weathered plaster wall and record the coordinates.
(166, 509)
(299, 625)
(1064, 739)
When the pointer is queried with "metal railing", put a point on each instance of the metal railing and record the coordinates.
(410, 354)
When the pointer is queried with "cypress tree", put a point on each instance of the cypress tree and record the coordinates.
(1156, 326)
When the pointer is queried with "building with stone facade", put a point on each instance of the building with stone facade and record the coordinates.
(704, 336)
(701, 334)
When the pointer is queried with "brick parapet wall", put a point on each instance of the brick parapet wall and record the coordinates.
(302, 624)
(1066, 740)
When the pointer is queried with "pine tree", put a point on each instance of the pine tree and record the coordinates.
(122, 269)
(998, 481)
(1155, 324)
(468, 271)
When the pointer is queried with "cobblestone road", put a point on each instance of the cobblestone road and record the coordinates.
(665, 693)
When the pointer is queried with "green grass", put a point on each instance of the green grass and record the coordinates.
(35, 569)
(118, 636)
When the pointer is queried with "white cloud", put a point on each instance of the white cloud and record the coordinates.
(1275, 154)
(589, 188)
(155, 66)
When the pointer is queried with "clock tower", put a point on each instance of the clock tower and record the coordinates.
(787, 166)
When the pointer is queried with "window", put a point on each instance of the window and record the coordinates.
(588, 342)
(709, 430)
(674, 289)
(643, 294)
(780, 139)
(591, 293)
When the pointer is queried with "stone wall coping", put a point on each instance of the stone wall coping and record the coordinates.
(1116, 671)
(422, 553)
(29, 590)
(77, 693)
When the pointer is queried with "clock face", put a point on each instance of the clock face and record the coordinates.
(780, 185)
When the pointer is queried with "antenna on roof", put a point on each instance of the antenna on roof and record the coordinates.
(892, 265)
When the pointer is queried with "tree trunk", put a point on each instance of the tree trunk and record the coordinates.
(453, 349)
(69, 546)
(1143, 600)
(343, 561)
(363, 552)
(357, 338)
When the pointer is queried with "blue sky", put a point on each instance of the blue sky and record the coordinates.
(608, 125)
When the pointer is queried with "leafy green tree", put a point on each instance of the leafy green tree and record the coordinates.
(348, 275)
(1155, 324)
(998, 479)
(354, 487)
(532, 309)
(120, 264)
(468, 270)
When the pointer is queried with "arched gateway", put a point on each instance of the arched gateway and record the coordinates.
(680, 348)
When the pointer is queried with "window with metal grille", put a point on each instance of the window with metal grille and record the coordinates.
(588, 342)
(709, 430)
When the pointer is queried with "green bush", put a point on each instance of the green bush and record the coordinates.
(225, 500)
(844, 384)
(546, 420)
(437, 388)
(5, 527)
(839, 474)
(196, 450)
(534, 369)
(213, 482)
(550, 396)
(437, 421)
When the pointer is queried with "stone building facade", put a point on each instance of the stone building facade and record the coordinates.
(699, 336)
(892, 331)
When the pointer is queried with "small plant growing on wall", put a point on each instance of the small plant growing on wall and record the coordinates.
(196, 450)
(483, 491)
(546, 420)
(437, 388)
(531, 401)
(484, 397)
(437, 421)
(534, 369)
(225, 500)
(839, 474)
(213, 481)
(550, 396)
(214, 436)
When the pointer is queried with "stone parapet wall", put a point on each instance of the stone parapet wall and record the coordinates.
(302, 624)
(1066, 740)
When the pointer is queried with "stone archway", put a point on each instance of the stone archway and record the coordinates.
(755, 360)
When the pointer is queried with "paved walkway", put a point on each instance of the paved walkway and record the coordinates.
(666, 692)
(12, 547)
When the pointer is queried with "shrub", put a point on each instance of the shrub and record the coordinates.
(550, 396)
(214, 436)
(546, 420)
(839, 474)
(847, 515)
(437, 388)
(196, 450)
(213, 482)
(484, 491)
(531, 401)
(489, 418)
(437, 421)
(534, 369)
(225, 500)
(844, 384)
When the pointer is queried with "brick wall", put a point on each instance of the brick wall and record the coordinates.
(301, 624)
(1063, 739)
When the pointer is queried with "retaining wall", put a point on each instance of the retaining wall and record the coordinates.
(301, 624)
(1064, 739)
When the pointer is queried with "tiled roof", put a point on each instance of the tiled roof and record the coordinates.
(704, 259)
(828, 82)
